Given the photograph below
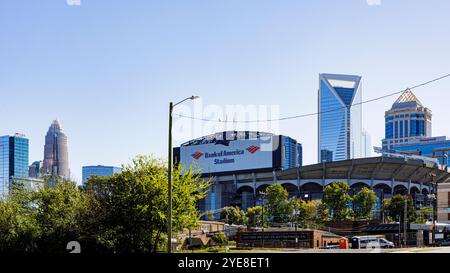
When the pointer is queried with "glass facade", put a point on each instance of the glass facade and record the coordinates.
(293, 153)
(340, 124)
(438, 147)
(100, 171)
(406, 121)
(13, 160)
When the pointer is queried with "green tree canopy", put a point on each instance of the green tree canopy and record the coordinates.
(125, 213)
(395, 207)
(309, 214)
(255, 216)
(337, 200)
(133, 205)
(279, 207)
(233, 216)
(364, 203)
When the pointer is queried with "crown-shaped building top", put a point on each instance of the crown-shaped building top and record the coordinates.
(406, 100)
(406, 121)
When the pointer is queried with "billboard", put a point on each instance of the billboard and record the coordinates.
(229, 156)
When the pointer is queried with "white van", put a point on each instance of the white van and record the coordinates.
(360, 242)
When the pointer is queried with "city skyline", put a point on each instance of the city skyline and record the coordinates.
(109, 79)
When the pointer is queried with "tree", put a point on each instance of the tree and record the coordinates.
(41, 221)
(255, 216)
(395, 208)
(309, 214)
(133, 205)
(220, 239)
(18, 228)
(364, 203)
(233, 216)
(337, 199)
(58, 210)
(125, 213)
(278, 205)
(423, 215)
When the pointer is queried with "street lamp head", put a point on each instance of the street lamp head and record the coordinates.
(194, 97)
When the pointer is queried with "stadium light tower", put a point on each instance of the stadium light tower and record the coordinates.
(169, 174)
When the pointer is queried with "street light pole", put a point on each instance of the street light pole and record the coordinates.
(435, 211)
(405, 226)
(169, 175)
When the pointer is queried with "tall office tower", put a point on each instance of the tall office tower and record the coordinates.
(367, 144)
(340, 117)
(56, 158)
(13, 160)
(407, 120)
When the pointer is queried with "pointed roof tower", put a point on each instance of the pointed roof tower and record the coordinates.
(406, 100)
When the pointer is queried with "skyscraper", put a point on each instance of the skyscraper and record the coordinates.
(13, 160)
(340, 117)
(56, 158)
(366, 144)
(407, 120)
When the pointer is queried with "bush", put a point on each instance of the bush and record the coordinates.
(220, 239)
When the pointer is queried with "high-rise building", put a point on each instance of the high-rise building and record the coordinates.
(34, 171)
(56, 157)
(99, 170)
(367, 144)
(13, 160)
(340, 117)
(406, 121)
(293, 152)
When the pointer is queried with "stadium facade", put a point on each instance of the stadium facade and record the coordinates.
(237, 185)
(237, 152)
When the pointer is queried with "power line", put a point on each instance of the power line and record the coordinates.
(317, 113)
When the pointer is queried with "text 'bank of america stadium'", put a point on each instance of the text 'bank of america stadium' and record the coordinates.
(241, 165)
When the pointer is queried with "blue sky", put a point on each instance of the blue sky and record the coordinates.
(108, 68)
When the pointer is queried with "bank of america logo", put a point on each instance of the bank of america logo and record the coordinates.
(253, 149)
(197, 155)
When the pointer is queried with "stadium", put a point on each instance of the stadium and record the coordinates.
(248, 174)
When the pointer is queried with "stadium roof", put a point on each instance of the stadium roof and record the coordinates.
(374, 168)
(227, 136)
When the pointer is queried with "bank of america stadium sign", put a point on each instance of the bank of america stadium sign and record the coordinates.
(221, 156)
(238, 155)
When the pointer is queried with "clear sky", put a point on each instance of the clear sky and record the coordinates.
(108, 68)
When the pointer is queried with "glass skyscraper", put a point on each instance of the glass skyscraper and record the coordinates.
(340, 117)
(13, 160)
(293, 153)
(100, 171)
(406, 121)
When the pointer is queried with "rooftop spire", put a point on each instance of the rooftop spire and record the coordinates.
(407, 99)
